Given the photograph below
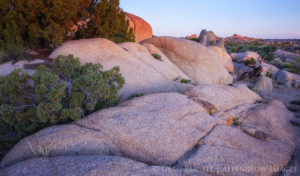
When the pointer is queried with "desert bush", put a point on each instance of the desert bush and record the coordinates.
(250, 62)
(292, 67)
(156, 56)
(266, 52)
(270, 75)
(62, 93)
(236, 121)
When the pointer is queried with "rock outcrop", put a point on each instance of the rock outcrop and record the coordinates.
(176, 129)
(268, 68)
(163, 134)
(263, 83)
(194, 36)
(285, 55)
(142, 30)
(148, 129)
(29, 66)
(209, 38)
(224, 58)
(242, 57)
(93, 165)
(288, 79)
(240, 69)
(200, 63)
(142, 72)
(223, 97)
(239, 38)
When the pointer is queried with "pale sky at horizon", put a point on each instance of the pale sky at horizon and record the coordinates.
(253, 18)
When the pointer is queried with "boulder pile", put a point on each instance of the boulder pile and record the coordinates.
(195, 115)
(164, 134)
(181, 59)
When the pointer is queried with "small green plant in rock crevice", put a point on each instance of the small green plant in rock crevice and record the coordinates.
(157, 56)
(186, 81)
(261, 101)
(236, 121)
(270, 75)
(65, 92)
(250, 62)
(254, 90)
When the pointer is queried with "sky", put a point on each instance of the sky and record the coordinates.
(270, 19)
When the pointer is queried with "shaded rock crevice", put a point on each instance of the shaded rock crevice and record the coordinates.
(191, 152)
(88, 128)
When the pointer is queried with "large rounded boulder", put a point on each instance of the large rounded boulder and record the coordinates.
(142, 72)
(163, 134)
(142, 30)
(245, 56)
(197, 61)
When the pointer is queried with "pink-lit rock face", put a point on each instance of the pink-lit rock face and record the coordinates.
(142, 29)
(194, 36)
(239, 38)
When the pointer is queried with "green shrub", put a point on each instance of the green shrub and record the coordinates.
(266, 52)
(250, 62)
(236, 121)
(67, 91)
(186, 81)
(292, 67)
(156, 56)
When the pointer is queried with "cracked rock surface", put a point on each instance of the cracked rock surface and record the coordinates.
(163, 134)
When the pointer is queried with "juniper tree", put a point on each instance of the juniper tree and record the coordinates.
(64, 92)
(40, 23)
(107, 20)
(47, 23)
